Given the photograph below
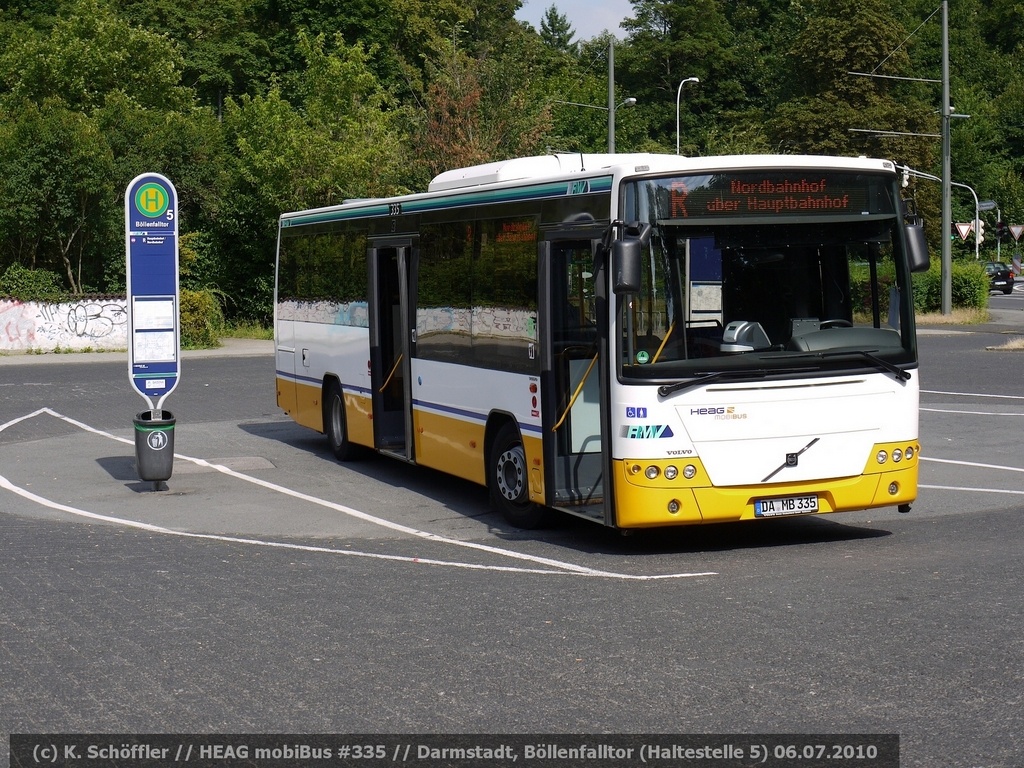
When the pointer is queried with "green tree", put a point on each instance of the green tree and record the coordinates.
(481, 109)
(833, 111)
(89, 53)
(1002, 22)
(576, 87)
(187, 146)
(224, 44)
(342, 140)
(556, 31)
(669, 42)
(108, 98)
(56, 184)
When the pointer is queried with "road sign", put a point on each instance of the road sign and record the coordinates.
(964, 229)
(1016, 230)
(151, 246)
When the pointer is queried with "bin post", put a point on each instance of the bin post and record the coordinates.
(154, 446)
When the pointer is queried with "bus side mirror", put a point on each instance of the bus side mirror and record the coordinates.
(627, 255)
(917, 246)
(626, 265)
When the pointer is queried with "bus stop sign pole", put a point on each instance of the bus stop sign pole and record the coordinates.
(154, 340)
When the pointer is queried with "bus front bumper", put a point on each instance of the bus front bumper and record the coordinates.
(642, 501)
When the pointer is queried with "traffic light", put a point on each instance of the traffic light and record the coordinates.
(1001, 230)
(980, 229)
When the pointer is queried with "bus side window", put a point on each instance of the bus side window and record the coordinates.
(573, 295)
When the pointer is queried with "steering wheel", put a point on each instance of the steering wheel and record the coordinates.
(836, 323)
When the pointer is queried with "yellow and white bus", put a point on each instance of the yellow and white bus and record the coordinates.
(642, 340)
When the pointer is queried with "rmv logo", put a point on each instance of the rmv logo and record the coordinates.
(579, 187)
(649, 431)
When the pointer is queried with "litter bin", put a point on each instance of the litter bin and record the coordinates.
(154, 445)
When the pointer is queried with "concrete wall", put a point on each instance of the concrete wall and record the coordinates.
(88, 323)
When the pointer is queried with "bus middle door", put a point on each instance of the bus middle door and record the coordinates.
(390, 349)
(576, 376)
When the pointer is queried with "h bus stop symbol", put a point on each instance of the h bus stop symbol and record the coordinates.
(152, 199)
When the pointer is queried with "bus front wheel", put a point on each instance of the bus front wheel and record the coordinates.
(334, 423)
(507, 480)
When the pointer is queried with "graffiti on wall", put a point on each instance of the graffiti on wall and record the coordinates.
(77, 325)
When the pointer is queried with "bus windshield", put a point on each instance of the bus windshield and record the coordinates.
(751, 271)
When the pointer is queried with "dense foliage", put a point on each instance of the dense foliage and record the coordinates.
(253, 107)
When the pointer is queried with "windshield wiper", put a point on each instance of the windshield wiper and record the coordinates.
(885, 365)
(704, 378)
(761, 373)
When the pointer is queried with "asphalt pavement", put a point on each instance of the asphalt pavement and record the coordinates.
(270, 589)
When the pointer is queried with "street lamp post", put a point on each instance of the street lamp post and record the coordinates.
(611, 121)
(679, 93)
(947, 188)
(611, 95)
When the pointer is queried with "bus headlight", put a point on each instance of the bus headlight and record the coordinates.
(689, 471)
(909, 453)
(881, 457)
(652, 472)
(897, 455)
(674, 506)
(671, 472)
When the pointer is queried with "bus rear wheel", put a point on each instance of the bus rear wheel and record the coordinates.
(334, 423)
(507, 480)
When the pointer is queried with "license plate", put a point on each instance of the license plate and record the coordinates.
(785, 505)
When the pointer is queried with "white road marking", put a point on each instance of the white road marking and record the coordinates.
(973, 464)
(560, 567)
(1001, 414)
(967, 488)
(970, 394)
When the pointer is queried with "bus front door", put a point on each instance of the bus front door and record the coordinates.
(390, 347)
(576, 374)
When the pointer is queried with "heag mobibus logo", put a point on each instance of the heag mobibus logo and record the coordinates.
(724, 412)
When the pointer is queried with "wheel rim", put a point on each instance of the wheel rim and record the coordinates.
(511, 472)
(337, 424)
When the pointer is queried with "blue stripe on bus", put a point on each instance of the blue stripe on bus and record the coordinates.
(298, 379)
(601, 184)
(422, 404)
(471, 415)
